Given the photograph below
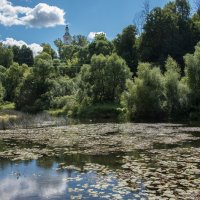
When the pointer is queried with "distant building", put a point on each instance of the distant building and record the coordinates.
(67, 38)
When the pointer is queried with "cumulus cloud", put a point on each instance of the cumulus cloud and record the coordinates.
(92, 35)
(36, 48)
(42, 15)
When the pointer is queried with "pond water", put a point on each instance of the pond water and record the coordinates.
(67, 177)
(165, 171)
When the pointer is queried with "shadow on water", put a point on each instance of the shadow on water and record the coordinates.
(186, 144)
(7, 144)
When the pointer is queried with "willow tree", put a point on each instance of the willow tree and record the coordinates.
(144, 97)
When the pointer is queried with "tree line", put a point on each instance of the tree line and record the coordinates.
(154, 75)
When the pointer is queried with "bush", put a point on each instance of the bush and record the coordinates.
(99, 111)
(144, 98)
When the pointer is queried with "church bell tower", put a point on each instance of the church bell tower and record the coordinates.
(67, 39)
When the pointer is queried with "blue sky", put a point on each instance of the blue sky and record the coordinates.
(83, 16)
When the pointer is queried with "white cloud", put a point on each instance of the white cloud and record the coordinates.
(92, 35)
(36, 48)
(42, 15)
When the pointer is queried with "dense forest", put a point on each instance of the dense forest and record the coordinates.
(153, 74)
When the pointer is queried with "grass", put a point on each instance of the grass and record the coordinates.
(7, 106)
(56, 112)
(7, 117)
(7, 111)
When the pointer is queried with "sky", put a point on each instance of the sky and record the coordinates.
(32, 22)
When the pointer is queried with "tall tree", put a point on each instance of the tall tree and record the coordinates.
(59, 44)
(192, 62)
(100, 45)
(26, 56)
(14, 76)
(34, 95)
(47, 49)
(104, 80)
(6, 56)
(171, 80)
(16, 52)
(2, 92)
(168, 31)
(125, 46)
(144, 97)
(80, 40)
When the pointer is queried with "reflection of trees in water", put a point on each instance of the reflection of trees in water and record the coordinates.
(45, 162)
(79, 160)
(4, 163)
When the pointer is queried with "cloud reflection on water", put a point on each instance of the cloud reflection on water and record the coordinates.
(24, 187)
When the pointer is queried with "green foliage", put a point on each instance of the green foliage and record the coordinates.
(34, 95)
(80, 40)
(2, 74)
(2, 92)
(6, 56)
(168, 31)
(172, 77)
(59, 44)
(99, 111)
(184, 102)
(116, 73)
(104, 80)
(192, 62)
(100, 45)
(125, 46)
(68, 70)
(144, 97)
(25, 56)
(47, 49)
(7, 106)
(71, 105)
(43, 56)
(13, 77)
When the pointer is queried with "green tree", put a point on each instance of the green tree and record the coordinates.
(104, 80)
(80, 40)
(168, 31)
(13, 78)
(2, 74)
(47, 49)
(172, 77)
(192, 62)
(59, 44)
(100, 45)
(34, 94)
(116, 73)
(2, 92)
(25, 56)
(125, 46)
(6, 56)
(16, 50)
(144, 98)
